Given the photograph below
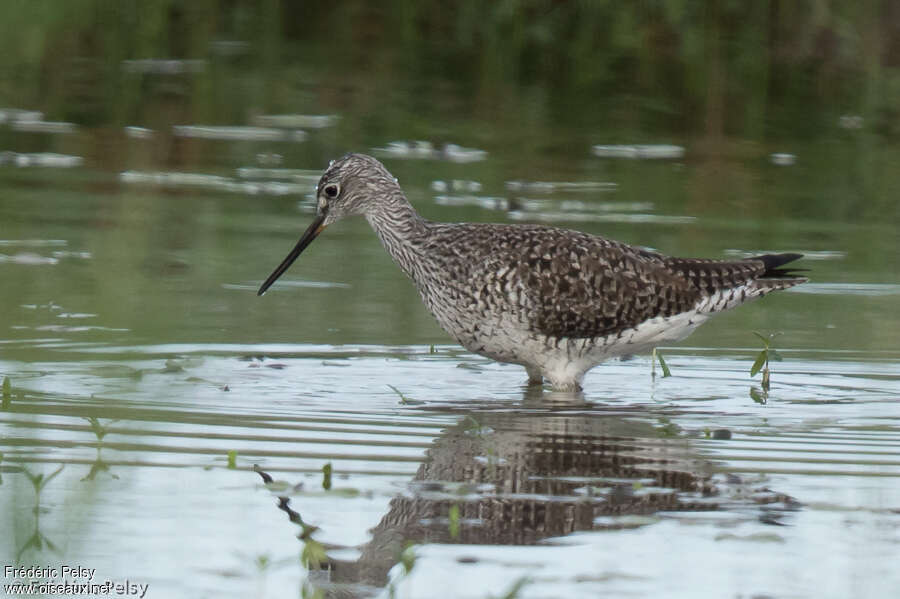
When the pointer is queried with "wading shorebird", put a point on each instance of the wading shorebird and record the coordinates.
(555, 301)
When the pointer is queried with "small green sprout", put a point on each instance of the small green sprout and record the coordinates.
(263, 561)
(326, 476)
(762, 359)
(7, 392)
(232, 459)
(475, 428)
(313, 554)
(98, 429)
(403, 398)
(515, 589)
(407, 401)
(408, 557)
(667, 428)
(39, 481)
(453, 516)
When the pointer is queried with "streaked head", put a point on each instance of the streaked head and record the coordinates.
(352, 184)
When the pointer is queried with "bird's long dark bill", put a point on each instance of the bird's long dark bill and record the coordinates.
(311, 233)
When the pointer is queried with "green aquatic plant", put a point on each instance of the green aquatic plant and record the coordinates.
(407, 560)
(475, 428)
(453, 517)
(39, 481)
(327, 471)
(667, 428)
(232, 459)
(262, 562)
(97, 467)
(408, 557)
(767, 354)
(313, 554)
(514, 590)
(7, 392)
(403, 398)
(98, 429)
(758, 396)
(38, 541)
(657, 356)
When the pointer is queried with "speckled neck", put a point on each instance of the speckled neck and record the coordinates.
(401, 231)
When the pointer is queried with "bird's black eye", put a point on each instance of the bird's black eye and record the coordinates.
(331, 191)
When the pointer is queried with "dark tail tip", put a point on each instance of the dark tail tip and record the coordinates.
(772, 263)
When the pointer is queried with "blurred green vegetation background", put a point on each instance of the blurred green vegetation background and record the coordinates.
(535, 83)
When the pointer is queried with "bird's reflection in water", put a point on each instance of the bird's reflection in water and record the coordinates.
(516, 477)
